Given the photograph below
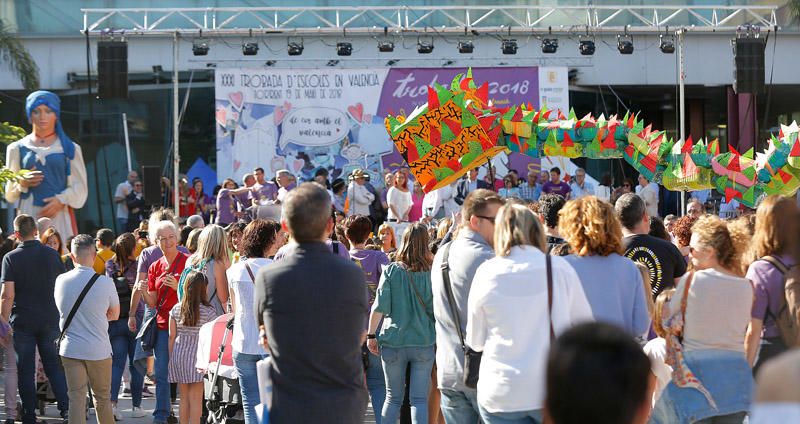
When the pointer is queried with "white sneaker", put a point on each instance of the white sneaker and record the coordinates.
(117, 415)
(138, 412)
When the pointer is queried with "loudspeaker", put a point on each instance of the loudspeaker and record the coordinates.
(112, 69)
(151, 183)
(749, 57)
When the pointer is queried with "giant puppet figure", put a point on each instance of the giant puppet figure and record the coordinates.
(57, 183)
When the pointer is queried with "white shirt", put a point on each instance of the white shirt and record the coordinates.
(245, 330)
(401, 201)
(442, 197)
(717, 311)
(649, 194)
(123, 189)
(656, 350)
(360, 199)
(578, 191)
(508, 321)
(603, 193)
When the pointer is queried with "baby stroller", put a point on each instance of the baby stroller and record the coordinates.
(215, 355)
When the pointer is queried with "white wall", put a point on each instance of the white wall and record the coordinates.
(709, 58)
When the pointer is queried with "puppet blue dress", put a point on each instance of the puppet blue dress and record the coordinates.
(49, 150)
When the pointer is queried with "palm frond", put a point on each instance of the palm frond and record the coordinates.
(18, 57)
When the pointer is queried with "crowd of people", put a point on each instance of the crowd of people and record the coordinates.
(484, 301)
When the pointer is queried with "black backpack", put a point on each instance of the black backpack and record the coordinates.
(124, 293)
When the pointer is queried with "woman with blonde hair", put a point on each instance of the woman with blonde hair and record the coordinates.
(707, 317)
(404, 303)
(386, 236)
(211, 258)
(771, 253)
(594, 234)
(526, 296)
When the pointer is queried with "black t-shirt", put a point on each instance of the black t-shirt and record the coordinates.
(33, 267)
(662, 259)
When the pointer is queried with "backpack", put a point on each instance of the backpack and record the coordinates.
(788, 317)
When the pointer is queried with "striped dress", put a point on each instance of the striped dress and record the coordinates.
(184, 353)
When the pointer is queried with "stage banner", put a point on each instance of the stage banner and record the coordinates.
(306, 119)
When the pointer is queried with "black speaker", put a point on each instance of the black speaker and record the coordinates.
(151, 183)
(112, 69)
(749, 56)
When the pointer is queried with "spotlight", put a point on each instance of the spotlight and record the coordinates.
(465, 46)
(269, 62)
(344, 49)
(586, 47)
(294, 48)
(667, 44)
(250, 48)
(385, 46)
(200, 47)
(509, 46)
(549, 45)
(424, 46)
(333, 62)
(625, 44)
(391, 62)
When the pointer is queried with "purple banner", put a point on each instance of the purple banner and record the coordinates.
(407, 88)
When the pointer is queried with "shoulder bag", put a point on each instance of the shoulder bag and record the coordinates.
(75, 310)
(124, 292)
(472, 359)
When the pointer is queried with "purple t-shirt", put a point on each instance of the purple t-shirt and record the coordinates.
(288, 249)
(226, 206)
(268, 191)
(151, 254)
(768, 286)
(245, 200)
(561, 188)
(371, 262)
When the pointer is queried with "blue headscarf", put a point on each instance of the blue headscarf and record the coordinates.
(52, 101)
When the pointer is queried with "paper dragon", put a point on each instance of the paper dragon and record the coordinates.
(459, 129)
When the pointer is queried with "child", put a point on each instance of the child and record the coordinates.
(656, 349)
(186, 317)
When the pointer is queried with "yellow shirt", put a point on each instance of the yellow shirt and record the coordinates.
(103, 255)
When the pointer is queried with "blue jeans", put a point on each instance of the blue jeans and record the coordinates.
(460, 406)
(519, 417)
(245, 365)
(395, 360)
(26, 340)
(161, 370)
(376, 384)
(122, 225)
(123, 346)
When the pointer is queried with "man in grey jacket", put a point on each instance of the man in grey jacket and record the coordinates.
(472, 247)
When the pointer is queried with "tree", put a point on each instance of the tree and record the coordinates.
(19, 59)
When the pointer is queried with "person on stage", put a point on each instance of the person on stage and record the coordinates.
(56, 184)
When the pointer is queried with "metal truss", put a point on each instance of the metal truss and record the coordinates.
(518, 19)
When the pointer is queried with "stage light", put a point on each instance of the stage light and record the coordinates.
(269, 62)
(333, 62)
(625, 44)
(549, 45)
(586, 47)
(385, 46)
(509, 46)
(344, 49)
(466, 46)
(294, 48)
(667, 44)
(250, 48)
(200, 47)
(424, 46)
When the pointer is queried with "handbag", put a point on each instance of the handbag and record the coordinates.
(472, 359)
(149, 331)
(75, 310)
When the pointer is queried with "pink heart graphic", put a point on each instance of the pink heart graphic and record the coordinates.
(367, 118)
(356, 111)
(297, 164)
(236, 165)
(236, 98)
(287, 106)
(221, 116)
(278, 114)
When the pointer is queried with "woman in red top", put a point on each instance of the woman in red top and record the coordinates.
(197, 194)
(187, 200)
(159, 292)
